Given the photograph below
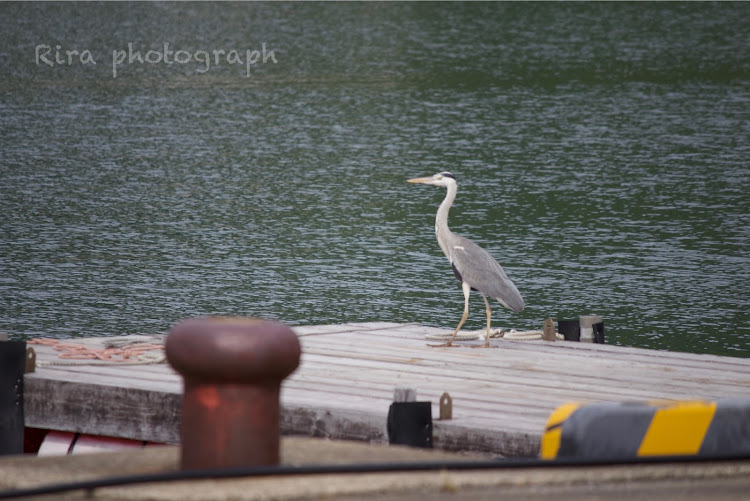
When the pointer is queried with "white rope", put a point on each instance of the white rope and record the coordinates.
(128, 342)
(461, 336)
(151, 357)
(512, 335)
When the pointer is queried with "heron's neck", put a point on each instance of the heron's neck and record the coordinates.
(441, 220)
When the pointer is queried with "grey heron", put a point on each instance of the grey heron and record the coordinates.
(473, 266)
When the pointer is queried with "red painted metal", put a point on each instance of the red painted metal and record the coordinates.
(233, 368)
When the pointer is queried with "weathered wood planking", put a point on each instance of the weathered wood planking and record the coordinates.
(344, 385)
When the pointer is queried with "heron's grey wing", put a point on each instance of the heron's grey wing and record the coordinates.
(482, 272)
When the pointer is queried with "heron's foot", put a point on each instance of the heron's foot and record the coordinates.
(483, 346)
(444, 345)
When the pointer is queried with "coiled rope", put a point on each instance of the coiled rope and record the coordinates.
(126, 352)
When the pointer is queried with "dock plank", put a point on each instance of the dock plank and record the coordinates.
(344, 385)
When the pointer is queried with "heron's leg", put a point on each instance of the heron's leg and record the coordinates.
(489, 320)
(467, 292)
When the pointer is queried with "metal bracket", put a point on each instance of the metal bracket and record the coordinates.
(548, 330)
(30, 360)
(598, 332)
(446, 406)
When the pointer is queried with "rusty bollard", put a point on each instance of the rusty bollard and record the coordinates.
(232, 368)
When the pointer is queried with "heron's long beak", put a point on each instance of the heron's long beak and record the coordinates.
(421, 180)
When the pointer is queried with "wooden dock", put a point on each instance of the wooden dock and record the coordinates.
(501, 397)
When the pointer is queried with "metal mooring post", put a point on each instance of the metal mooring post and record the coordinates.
(12, 365)
(590, 333)
(409, 422)
(233, 368)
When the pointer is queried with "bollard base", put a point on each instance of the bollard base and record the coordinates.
(220, 429)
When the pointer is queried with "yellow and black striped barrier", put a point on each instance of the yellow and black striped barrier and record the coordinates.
(648, 429)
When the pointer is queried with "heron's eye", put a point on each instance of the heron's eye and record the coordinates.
(438, 176)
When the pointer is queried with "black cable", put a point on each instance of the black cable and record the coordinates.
(284, 470)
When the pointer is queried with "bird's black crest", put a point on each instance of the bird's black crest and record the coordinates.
(448, 174)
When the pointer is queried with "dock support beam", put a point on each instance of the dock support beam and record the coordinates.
(233, 368)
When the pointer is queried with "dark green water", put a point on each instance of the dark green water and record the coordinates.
(601, 152)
